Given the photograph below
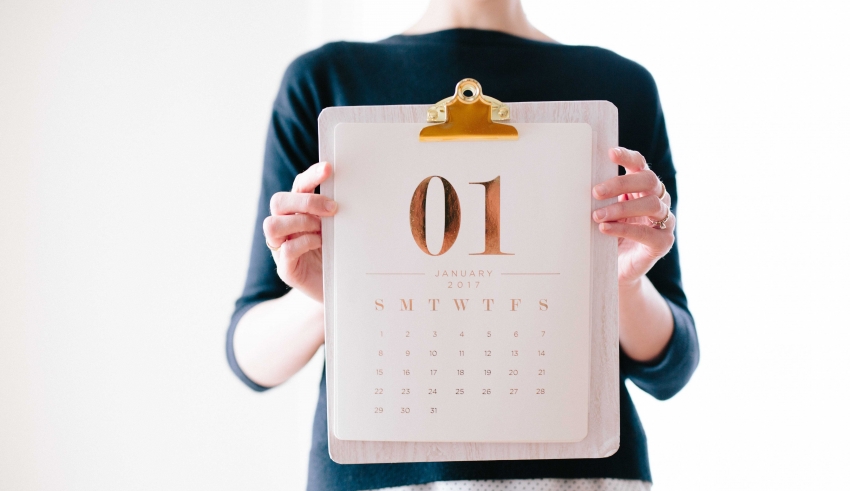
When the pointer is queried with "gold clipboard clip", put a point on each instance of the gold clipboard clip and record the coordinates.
(468, 115)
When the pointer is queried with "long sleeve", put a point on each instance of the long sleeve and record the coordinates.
(667, 375)
(291, 147)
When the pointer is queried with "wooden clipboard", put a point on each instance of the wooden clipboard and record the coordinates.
(470, 115)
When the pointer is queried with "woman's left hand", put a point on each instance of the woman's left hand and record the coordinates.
(641, 218)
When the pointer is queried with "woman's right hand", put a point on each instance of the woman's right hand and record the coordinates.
(294, 231)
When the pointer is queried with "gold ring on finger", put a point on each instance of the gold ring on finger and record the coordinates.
(661, 224)
(273, 249)
(663, 191)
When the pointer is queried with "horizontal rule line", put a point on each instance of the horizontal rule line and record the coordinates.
(417, 274)
(529, 274)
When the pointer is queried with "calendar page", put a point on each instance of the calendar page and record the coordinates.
(461, 285)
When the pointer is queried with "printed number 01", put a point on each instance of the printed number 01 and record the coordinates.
(451, 228)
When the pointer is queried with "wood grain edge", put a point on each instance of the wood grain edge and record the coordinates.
(603, 438)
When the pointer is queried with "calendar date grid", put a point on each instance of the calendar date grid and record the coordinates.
(447, 371)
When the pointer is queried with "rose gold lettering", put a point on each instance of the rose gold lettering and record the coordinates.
(451, 226)
(492, 218)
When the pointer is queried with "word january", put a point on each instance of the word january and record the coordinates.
(460, 304)
(463, 273)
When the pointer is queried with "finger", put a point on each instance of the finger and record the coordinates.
(293, 249)
(631, 160)
(657, 241)
(278, 227)
(647, 206)
(307, 181)
(644, 181)
(315, 204)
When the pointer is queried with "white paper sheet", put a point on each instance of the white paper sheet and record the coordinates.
(520, 370)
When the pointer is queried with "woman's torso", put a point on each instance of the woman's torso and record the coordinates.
(422, 70)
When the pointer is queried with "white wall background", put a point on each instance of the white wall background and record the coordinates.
(131, 137)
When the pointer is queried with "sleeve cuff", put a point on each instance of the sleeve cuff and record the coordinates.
(231, 357)
(666, 376)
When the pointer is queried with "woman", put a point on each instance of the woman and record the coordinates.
(278, 322)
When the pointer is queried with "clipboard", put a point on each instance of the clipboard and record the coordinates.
(470, 116)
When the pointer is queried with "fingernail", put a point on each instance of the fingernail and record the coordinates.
(599, 214)
(605, 227)
(601, 190)
(330, 205)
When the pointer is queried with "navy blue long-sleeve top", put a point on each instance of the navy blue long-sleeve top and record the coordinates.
(422, 69)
